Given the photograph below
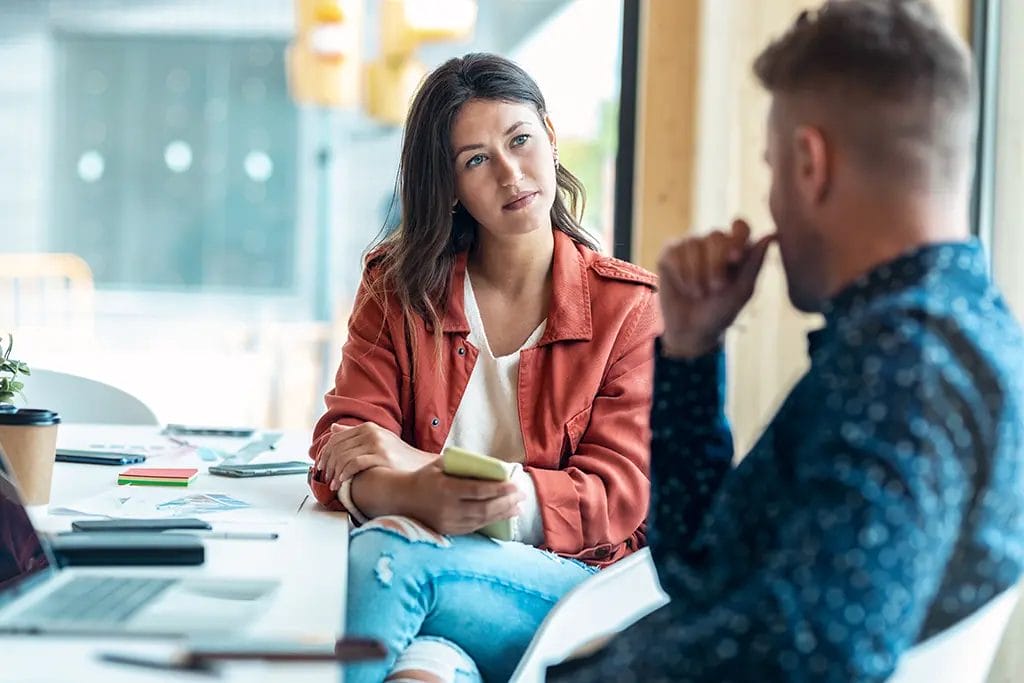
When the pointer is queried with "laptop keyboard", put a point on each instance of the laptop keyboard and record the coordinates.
(97, 600)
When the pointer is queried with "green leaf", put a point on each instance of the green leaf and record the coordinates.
(23, 368)
(17, 386)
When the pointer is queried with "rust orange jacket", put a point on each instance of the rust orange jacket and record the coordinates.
(584, 395)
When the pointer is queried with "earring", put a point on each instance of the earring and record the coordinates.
(455, 207)
(556, 157)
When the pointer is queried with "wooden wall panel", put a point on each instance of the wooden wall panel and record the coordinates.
(700, 141)
(667, 90)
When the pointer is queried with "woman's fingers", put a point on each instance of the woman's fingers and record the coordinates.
(505, 507)
(471, 490)
(341, 434)
(353, 466)
(329, 449)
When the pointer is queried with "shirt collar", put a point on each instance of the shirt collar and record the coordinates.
(915, 268)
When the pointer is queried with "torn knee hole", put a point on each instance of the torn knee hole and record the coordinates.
(383, 570)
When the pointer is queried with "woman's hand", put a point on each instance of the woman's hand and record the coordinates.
(455, 506)
(351, 450)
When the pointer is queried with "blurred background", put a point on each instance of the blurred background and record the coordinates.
(205, 175)
(200, 178)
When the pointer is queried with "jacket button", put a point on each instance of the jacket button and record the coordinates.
(435, 422)
(462, 351)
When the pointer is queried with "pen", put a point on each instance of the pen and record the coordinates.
(226, 535)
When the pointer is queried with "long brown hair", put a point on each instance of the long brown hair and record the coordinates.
(415, 260)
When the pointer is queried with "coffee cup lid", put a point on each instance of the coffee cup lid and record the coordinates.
(32, 417)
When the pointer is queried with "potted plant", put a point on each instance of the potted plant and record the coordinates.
(9, 371)
(28, 436)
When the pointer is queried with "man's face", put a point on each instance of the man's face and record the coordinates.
(794, 216)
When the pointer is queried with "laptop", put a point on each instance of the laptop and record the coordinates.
(38, 596)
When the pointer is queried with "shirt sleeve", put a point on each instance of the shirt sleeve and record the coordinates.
(831, 575)
(691, 448)
(528, 527)
(367, 385)
(844, 595)
(345, 498)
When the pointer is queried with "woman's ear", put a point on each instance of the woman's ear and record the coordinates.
(550, 128)
(552, 138)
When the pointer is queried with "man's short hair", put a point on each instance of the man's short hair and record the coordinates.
(897, 82)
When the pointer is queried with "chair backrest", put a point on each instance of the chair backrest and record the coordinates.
(965, 651)
(46, 291)
(602, 605)
(79, 399)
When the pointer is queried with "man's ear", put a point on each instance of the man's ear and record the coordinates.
(812, 164)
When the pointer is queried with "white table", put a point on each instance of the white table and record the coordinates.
(309, 559)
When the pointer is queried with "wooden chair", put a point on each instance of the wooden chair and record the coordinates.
(41, 291)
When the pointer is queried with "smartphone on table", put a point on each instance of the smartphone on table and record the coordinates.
(261, 469)
(99, 457)
(208, 430)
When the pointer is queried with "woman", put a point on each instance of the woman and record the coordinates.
(487, 321)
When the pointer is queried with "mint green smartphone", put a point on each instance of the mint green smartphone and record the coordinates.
(458, 462)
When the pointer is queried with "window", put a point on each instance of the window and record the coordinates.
(1002, 172)
(223, 224)
(176, 167)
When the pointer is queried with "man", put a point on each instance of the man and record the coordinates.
(884, 501)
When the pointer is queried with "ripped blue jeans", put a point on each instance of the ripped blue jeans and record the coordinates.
(485, 596)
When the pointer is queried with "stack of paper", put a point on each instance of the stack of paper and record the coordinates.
(158, 476)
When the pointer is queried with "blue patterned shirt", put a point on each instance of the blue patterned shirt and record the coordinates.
(882, 504)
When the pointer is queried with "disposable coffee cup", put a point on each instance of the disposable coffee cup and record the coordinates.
(29, 438)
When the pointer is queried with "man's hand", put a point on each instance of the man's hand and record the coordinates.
(705, 282)
(350, 450)
(454, 505)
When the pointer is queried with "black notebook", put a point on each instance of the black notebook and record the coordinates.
(127, 548)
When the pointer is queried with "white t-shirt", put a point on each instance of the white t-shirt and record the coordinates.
(487, 420)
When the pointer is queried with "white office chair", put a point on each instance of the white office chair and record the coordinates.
(79, 399)
(602, 605)
(965, 651)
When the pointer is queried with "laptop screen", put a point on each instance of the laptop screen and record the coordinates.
(21, 551)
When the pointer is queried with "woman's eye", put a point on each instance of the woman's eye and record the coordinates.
(520, 140)
(475, 160)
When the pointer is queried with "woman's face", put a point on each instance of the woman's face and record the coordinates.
(504, 166)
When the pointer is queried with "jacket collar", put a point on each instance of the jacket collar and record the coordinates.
(569, 310)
